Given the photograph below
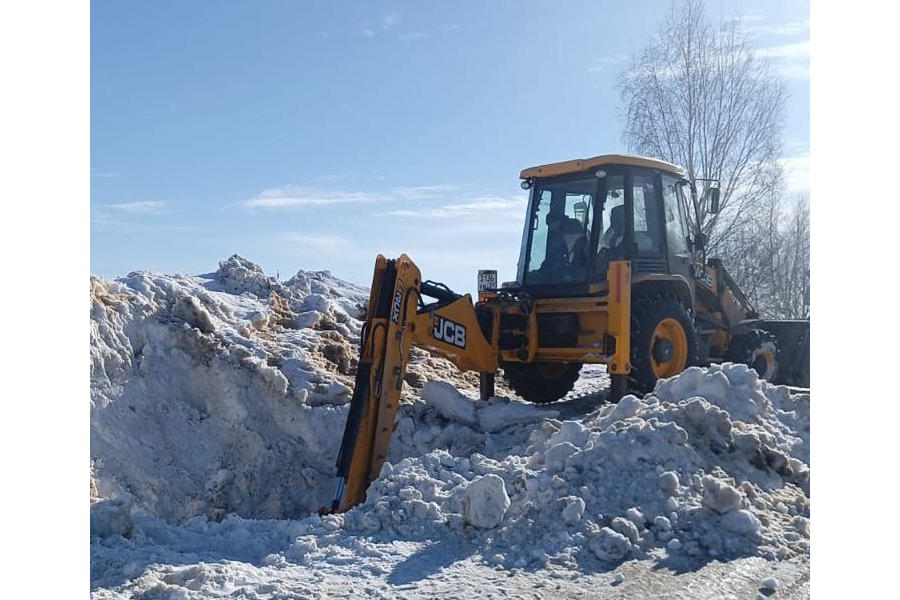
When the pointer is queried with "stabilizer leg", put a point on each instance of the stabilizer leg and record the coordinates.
(486, 385)
(618, 387)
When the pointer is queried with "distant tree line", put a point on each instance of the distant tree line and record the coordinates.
(700, 96)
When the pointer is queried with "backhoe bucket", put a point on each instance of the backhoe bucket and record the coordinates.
(793, 350)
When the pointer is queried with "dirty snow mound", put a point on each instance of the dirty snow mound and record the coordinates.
(221, 393)
(707, 466)
(226, 395)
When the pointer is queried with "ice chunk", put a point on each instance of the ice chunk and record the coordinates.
(485, 502)
(720, 496)
(668, 482)
(609, 545)
(741, 521)
(573, 511)
(449, 402)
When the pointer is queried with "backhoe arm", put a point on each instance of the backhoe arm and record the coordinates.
(384, 352)
(396, 319)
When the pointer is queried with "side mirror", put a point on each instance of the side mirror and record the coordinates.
(712, 197)
(700, 241)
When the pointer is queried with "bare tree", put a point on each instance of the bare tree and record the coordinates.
(770, 259)
(700, 97)
(790, 274)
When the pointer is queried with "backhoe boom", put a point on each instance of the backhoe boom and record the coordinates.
(384, 352)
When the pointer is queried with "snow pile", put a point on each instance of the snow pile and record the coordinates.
(707, 466)
(224, 396)
(221, 393)
(228, 392)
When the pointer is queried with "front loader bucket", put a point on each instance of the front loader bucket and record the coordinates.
(793, 350)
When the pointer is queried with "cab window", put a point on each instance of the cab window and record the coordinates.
(647, 234)
(676, 228)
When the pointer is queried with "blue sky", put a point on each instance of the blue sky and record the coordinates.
(313, 135)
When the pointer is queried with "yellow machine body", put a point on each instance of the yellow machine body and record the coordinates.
(589, 290)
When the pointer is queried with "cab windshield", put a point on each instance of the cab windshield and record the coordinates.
(562, 214)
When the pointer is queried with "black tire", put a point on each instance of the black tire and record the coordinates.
(663, 341)
(757, 349)
(542, 382)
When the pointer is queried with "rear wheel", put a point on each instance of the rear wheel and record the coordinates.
(542, 382)
(756, 349)
(663, 342)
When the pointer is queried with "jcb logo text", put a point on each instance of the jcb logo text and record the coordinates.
(449, 332)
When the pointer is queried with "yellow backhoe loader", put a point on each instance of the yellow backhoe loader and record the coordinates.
(607, 273)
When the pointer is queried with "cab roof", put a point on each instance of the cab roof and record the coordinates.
(583, 164)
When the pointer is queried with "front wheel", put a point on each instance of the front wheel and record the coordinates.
(663, 341)
(542, 382)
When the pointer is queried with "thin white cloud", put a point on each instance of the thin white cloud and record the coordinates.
(144, 208)
(412, 202)
(423, 191)
(783, 28)
(478, 206)
(784, 43)
(481, 205)
(295, 197)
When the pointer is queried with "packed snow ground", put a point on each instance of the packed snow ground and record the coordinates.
(217, 408)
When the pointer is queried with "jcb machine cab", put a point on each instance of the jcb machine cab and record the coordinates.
(595, 226)
(588, 221)
(607, 274)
